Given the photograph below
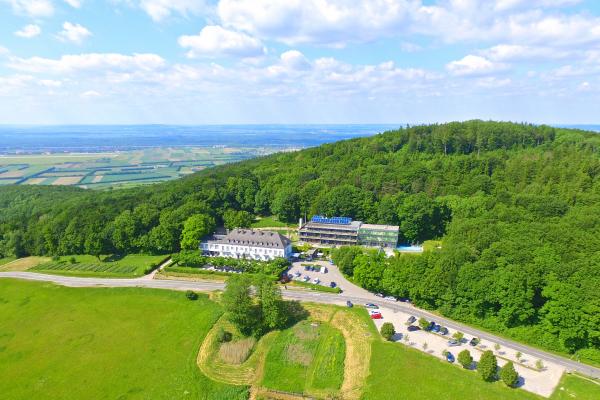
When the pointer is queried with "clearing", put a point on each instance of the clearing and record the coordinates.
(98, 343)
(22, 264)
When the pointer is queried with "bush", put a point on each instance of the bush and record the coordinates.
(423, 323)
(223, 336)
(508, 374)
(487, 366)
(55, 258)
(191, 295)
(465, 359)
(72, 260)
(388, 331)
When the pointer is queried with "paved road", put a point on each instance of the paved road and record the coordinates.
(357, 296)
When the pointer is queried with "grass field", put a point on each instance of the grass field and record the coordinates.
(573, 387)
(306, 357)
(6, 260)
(23, 264)
(86, 265)
(270, 222)
(121, 343)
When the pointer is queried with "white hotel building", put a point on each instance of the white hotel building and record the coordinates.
(248, 243)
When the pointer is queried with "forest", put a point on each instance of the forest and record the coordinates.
(516, 207)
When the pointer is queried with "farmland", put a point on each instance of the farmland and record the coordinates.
(118, 169)
(59, 343)
(108, 266)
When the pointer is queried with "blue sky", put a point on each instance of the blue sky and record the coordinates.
(298, 61)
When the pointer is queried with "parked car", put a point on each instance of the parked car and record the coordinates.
(474, 342)
(392, 298)
(413, 328)
(349, 304)
(430, 326)
(436, 328)
(331, 262)
(453, 342)
(306, 278)
(411, 319)
(297, 274)
(324, 270)
(332, 284)
(316, 281)
(375, 314)
(378, 295)
(449, 357)
(307, 267)
(371, 305)
(444, 330)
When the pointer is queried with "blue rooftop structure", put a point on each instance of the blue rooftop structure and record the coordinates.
(319, 219)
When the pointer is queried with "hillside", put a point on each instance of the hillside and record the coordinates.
(517, 208)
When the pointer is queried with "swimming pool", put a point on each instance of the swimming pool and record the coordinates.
(410, 249)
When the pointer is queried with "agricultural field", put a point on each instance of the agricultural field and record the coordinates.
(21, 264)
(306, 358)
(108, 266)
(118, 169)
(99, 343)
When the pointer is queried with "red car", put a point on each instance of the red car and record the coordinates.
(375, 314)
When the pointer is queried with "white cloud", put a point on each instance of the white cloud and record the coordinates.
(74, 3)
(502, 5)
(473, 65)
(74, 33)
(50, 83)
(409, 47)
(90, 94)
(213, 41)
(96, 62)
(158, 10)
(516, 52)
(32, 8)
(294, 59)
(330, 22)
(29, 31)
(4, 51)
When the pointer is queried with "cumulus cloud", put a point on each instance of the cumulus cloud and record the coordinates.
(158, 10)
(214, 40)
(29, 31)
(32, 8)
(295, 60)
(96, 62)
(74, 33)
(50, 83)
(472, 65)
(74, 3)
(516, 52)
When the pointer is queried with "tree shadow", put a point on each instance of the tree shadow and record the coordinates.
(113, 257)
(295, 313)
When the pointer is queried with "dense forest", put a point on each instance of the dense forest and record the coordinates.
(517, 208)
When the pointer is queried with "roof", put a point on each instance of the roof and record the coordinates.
(373, 227)
(255, 238)
(352, 226)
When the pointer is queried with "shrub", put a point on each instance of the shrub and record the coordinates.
(72, 260)
(508, 374)
(458, 336)
(191, 295)
(539, 365)
(423, 323)
(55, 258)
(487, 366)
(388, 331)
(465, 359)
(223, 336)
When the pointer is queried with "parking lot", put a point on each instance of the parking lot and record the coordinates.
(540, 382)
(299, 272)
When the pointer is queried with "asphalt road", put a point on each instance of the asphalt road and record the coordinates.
(359, 296)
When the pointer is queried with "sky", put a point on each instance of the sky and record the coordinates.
(298, 61)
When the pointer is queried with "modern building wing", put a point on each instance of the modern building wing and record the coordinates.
(342, 231)
(248, 243)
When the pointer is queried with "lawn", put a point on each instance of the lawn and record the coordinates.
(131, 265)
(573, 387)
(6, 260)
(270, 222)
(396, 369)
(99, 343)
(307, 358)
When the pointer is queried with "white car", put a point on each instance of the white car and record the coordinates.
(306, 278)
(392, 298)
(317, 281)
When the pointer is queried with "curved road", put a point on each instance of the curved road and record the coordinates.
(355, 294)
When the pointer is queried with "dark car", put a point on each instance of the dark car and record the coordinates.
(307, 267)
(413, 328)
(431, 326)
(453, 342)
(349, 304)
(332, 284)
(444, 330)
(450, 357)
(411, 319)
(436, 328)
(474, 342)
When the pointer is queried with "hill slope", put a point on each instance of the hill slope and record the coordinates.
(517, 207)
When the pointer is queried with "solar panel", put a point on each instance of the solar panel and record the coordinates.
(319, 219)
